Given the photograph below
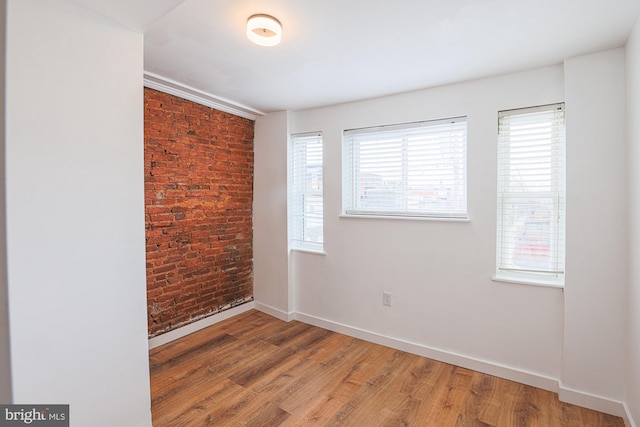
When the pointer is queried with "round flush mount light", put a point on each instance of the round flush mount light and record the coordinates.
(264, 30)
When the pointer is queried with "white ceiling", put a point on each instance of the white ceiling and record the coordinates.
(137, 15)
(335, 51)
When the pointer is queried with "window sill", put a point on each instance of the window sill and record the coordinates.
(404, 218)
(309, 251)
(528, 282)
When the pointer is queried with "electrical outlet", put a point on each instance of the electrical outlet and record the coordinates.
(386, 298)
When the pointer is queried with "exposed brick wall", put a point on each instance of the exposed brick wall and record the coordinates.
(198, 205)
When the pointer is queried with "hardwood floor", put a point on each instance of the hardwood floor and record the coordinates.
(255, 370)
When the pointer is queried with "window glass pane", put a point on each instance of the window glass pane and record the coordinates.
(379, 173)
(415, 169)
(306, 192)
(312, 217)
(527, 233)
(531, 186)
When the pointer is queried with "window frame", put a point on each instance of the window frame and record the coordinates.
(509, 271)
(352, 176)
(300, 236)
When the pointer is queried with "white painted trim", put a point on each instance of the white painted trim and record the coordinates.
(308, 251)
(403, 217)
(541, 283)
(468, 362)
(172, 87)
(592, 401)
(275, 312)
(200, 324)
(628, 418)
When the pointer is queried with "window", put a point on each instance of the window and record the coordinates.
(531, 195)
(410, 170)
(305, 192)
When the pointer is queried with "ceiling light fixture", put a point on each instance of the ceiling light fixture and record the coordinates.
(264, 30)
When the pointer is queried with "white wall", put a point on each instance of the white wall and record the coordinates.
(633, 297)
(444, 303)
(439, 273)
(596, 278)
(75, 213)
(5, 363)
(272, 292)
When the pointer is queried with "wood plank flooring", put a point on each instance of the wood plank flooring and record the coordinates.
(255, 370)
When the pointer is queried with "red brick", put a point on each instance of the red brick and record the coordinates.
(198, 195)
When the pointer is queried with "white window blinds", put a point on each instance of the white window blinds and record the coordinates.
(412, 169)
(306, 192)
(531, 194)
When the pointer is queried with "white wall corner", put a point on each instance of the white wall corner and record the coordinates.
(137, 16)
(592, 401)
(94, 358)
(632, 372)
(275, 312)
(5, 353)
(628, 416)
(593, 352)
(271, 269)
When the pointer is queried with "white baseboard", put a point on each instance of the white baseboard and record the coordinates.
(273, 311)
(200, 324)
(479, 365)
(591, 401)
(628, 418)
